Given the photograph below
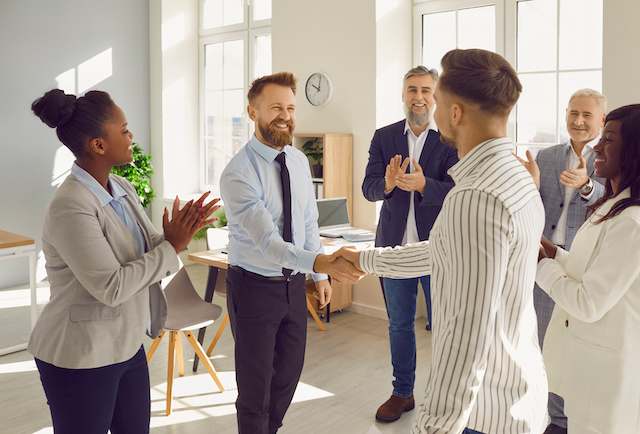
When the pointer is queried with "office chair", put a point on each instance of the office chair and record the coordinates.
(186, 311)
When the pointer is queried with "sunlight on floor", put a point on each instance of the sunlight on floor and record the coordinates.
(14, 368)
(195, 398)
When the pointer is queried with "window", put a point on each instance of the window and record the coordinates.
(445, 25)
(555, 46)
(558, 51)
(235, 48)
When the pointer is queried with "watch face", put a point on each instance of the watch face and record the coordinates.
(319, 89)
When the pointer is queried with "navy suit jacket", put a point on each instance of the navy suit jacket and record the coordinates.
(435, 160)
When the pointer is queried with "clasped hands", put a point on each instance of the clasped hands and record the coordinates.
(343, 265)
(396, 176)
(184, 223)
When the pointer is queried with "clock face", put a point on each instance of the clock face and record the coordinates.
(319, 89)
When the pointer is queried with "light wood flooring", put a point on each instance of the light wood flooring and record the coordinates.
(347, 376)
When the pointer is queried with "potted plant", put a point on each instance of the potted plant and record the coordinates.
(138, 173)
(313, 150)
(221, 221)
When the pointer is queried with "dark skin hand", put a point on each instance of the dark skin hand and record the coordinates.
(185, 222)
(547, 249)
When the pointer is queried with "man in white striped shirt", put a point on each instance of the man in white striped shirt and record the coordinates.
(487, 373)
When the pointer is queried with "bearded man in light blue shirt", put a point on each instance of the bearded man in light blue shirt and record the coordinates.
(273, 241)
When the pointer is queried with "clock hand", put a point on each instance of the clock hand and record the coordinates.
(317, 88)
(319, 83)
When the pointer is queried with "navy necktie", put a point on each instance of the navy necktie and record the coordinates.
(286, 202)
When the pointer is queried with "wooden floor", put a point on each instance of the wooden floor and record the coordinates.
(347, 376)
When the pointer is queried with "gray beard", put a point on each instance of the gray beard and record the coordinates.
(417, 119)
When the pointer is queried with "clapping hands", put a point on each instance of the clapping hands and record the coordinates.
(185, 222)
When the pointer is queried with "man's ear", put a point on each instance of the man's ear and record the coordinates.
(251, 110)
(457, 112)
(97, 145)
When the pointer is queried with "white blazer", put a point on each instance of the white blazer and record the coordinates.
(592, 345)
(102, 292)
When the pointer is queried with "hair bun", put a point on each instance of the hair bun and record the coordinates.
(55, 108)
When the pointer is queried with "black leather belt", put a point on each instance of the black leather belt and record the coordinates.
(244, 272)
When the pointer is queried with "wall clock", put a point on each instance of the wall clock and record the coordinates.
(319, 89)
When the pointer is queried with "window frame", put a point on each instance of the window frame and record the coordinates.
(247, 31)
(506, 45)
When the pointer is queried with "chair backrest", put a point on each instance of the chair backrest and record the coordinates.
(218, 238)
(185, 308)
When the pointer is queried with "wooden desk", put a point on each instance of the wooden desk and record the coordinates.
(216, 260)
(16, 246)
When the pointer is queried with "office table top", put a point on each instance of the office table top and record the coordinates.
(7, 239)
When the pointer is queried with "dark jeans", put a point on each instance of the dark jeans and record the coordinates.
(269, 325)
(92, 401)
(401, 296)
(470, 431)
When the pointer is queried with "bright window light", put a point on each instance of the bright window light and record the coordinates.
(95, 70)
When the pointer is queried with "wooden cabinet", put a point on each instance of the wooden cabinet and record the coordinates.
(337, 152)
(340, 299)
(336, 181)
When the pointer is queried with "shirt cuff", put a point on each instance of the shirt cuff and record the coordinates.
(306, 259)
(547, 272)
(562, 256)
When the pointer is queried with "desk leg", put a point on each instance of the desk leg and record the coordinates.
(34, 290)
(208, 296)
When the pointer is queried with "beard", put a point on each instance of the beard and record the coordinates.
(275, 137)
(452, 140)
(419, 119)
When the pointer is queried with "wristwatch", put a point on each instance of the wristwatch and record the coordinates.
(586, 189)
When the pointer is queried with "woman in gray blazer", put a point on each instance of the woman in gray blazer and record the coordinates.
(104, 261)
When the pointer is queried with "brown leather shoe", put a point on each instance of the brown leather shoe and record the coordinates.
(394, 407)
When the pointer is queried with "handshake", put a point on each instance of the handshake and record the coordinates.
(343, 265)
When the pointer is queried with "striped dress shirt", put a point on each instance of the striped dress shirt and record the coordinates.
(487, 371)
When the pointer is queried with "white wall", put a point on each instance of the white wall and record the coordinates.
(621, 57)
(366, 49)
(41, 40)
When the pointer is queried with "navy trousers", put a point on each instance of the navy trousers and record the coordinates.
(93, 401)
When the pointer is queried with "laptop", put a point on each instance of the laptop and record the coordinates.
(334, 222)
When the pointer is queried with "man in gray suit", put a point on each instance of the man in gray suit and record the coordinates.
(568, 187)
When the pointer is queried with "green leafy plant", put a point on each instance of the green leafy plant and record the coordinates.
(221, 221)
(138, 172)
(313, 150)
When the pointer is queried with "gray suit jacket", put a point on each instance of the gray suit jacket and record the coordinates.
(102, 292)
(552, 161)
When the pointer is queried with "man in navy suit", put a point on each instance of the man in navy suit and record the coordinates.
(407, 170)
(568, 187)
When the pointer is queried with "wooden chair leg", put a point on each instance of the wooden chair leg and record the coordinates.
(218, 334)
(154, 347)
(203, 358)
(314, 314)
(179, 355)
(170, 363)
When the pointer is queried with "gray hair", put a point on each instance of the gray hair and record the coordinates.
(600, 98)
(420, 70)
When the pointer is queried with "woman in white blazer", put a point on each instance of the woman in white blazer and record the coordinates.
(592, 345)
(104, 260)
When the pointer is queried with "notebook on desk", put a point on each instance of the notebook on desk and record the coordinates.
(334, 221)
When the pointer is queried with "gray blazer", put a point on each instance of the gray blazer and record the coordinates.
(552, 161)
(102, 292)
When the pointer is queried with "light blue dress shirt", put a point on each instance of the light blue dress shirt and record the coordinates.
(252, 193)
(116, 202)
